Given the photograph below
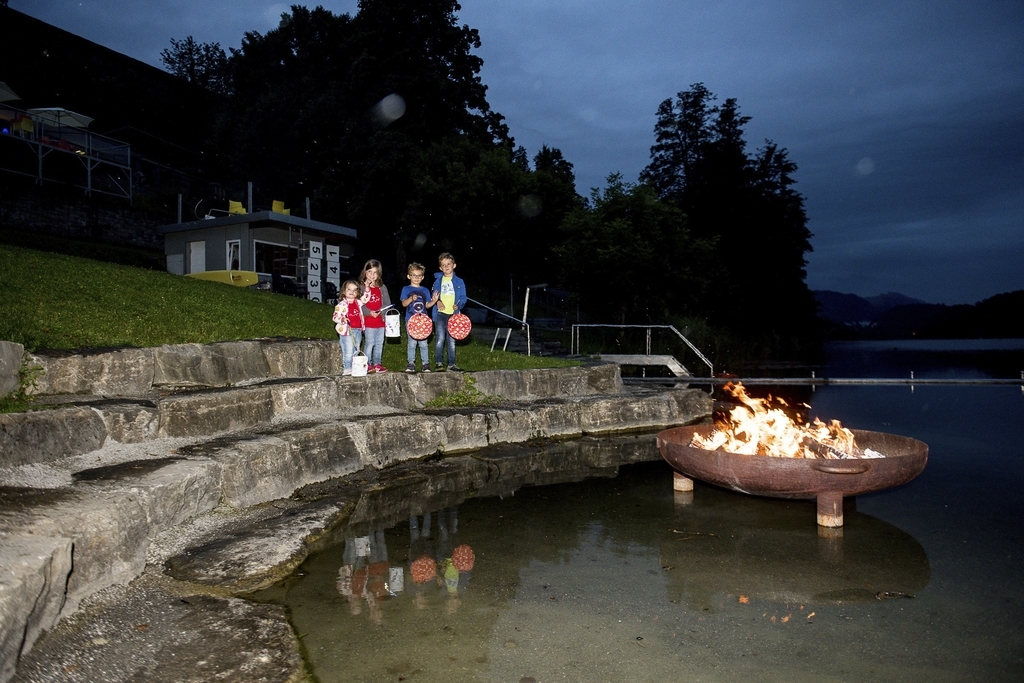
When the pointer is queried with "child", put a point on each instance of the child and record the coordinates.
(348, 315)
(375, 301)
(450, 292)
(417, 299)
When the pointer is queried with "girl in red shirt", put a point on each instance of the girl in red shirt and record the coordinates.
(375, 301)
(348, 316)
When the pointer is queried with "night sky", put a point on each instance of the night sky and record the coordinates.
(906, 118)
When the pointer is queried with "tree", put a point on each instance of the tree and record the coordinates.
(308, 102)
(744, 205)
(628, 256)
(204, 64)
(414, 49)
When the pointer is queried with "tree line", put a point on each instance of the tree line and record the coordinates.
(382, 118)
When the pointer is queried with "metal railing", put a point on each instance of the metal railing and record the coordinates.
(99, 155)
(522, 323)
(574, 343)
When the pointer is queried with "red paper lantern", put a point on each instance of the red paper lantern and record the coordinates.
(459, 326)
(423, 569)
(463, 558)
(419, 326)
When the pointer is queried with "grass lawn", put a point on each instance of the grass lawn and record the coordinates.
(57, 301)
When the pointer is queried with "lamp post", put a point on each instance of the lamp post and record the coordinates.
(526, 305)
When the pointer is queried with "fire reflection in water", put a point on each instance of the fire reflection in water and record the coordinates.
(739, 545)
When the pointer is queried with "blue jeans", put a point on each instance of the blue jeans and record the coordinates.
(441, 330)
(420, 344)
(374, 347)
(349, 343)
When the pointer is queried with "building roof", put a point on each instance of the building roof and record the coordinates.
(259, 219)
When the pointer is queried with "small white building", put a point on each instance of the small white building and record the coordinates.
(291, 252)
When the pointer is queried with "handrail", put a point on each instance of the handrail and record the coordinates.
(574, 344)
(506, 315)
(91, 149)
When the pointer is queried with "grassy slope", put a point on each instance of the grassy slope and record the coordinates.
(54, 301)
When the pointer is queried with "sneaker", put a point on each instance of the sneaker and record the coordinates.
(410, 368)
(454, 368)
(439, 367)
(426, 368)
(347, 371)
(379, 368)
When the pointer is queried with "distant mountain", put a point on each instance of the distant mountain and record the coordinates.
(844, 309)
(883, 302)
(850, 309)
(896, 316)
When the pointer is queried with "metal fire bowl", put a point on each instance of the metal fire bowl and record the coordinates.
(825, 480)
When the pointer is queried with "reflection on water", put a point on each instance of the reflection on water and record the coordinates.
(618, 579)
(753, 547)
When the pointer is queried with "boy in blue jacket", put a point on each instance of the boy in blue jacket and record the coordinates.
(450, 292)
(417, 299)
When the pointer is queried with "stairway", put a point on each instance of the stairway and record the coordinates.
(540, 345)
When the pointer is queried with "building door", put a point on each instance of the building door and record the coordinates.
(234, 252)
(197, 257)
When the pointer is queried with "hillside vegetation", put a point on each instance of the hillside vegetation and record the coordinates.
(55, 301)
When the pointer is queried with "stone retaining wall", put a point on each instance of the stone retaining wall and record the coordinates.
(69, 214)
(263, 419)
(10, 366)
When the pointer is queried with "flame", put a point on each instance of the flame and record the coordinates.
(760, 426)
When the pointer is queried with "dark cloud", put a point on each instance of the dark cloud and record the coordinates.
(906, 118)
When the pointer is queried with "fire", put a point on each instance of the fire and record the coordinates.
(761, 427)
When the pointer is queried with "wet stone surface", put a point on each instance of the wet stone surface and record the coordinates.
(152, 631)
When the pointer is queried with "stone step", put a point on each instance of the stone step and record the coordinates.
(112, 479)
(164, 625)
(47, 435)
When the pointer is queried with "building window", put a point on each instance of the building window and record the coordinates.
(276, 259)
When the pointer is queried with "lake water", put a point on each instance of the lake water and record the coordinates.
(620, 579)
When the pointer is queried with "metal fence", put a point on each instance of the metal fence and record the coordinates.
(574, 345)
(54, 152)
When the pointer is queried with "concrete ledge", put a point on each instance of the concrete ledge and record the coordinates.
(157, 630)
(307, 396)
(237, 458)
(125, 372)
(10, 366)
(131, 422)
(271, 467)
(109, 531)
(393, 438)
(303, 358)
(464, 431)
(255, 556)
(33, 580)
(44, 436)
(528, 385)
(136, 372)
(215, 411)
(645, 411)
(170, 491)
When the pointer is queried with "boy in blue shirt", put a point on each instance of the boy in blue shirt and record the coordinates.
(450, 297)
(417, 299)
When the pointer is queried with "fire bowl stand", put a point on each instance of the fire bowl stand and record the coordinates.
(830, 503)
